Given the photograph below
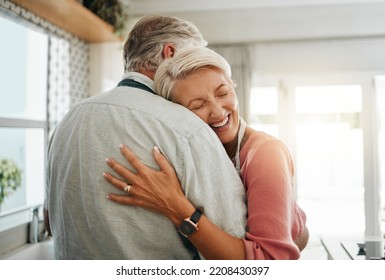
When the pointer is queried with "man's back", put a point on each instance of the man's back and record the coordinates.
(85, 225)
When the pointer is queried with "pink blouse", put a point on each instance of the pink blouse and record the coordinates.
(274, 218)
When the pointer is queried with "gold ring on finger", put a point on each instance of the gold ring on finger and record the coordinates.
(127, 188)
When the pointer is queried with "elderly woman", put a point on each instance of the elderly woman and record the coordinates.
(200, 80)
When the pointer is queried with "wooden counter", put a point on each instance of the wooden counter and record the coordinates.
(73, 17)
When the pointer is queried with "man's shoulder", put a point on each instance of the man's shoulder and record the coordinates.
(141, 109)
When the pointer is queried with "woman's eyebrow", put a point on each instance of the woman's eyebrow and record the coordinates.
(220, 86)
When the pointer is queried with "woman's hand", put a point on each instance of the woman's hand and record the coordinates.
(157, 191)
(160, 192)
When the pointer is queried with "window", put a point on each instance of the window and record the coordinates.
(23, 72)
(264, 109)
(324, 122)
(329, 156)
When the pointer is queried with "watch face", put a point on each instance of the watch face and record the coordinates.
(186, 228)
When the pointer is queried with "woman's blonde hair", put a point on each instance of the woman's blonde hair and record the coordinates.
(185, 62)
(143, 47)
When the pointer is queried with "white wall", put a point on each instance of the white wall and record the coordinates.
(106, 66)
(282, 23)
(344, 55)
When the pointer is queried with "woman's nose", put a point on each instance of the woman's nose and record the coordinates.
(216, 110)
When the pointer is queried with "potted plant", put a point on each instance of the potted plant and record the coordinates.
(10, 178)
(114, 12)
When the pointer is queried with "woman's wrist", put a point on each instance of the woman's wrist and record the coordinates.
(182, 209)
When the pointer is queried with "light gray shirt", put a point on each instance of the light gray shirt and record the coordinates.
(85, 225)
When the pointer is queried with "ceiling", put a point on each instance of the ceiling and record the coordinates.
(169, 6)
(240, 21)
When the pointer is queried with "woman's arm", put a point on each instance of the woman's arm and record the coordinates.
(160, 192)
(276, 224)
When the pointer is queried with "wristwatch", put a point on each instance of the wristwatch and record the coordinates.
(190, 225)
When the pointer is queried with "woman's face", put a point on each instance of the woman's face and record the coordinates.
(211, 96)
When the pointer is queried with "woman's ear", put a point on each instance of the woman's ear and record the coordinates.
(168, 51)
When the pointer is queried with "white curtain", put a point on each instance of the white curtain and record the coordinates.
(239, 58)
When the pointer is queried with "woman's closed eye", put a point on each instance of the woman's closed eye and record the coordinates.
(196, 106)
(222, 94)
(222, 91)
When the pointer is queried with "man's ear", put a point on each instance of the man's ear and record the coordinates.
(168, 51)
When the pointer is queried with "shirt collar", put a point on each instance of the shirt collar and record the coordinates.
(136, 76)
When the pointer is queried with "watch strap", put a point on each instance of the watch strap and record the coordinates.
(196, 216)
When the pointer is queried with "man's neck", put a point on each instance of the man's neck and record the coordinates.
(148, 73)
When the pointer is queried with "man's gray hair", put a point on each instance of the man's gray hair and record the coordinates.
(144, 45)
(185, 62)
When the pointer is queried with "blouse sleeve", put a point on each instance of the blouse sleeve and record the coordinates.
(274, 218)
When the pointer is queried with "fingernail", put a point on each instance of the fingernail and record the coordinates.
(156, 149)
(104, 174)
(108, 160)
(108, 196)
(121, 146)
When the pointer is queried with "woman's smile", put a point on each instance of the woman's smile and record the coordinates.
(221, 124)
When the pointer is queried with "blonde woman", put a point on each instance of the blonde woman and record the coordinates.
(200, 80)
